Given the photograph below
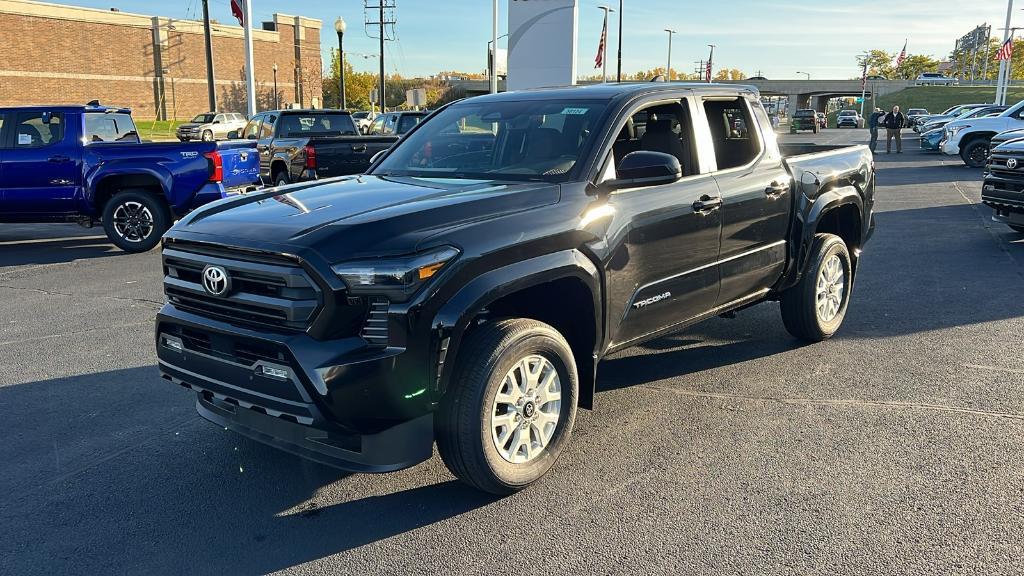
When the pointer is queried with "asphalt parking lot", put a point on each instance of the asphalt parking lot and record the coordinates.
(895, 448)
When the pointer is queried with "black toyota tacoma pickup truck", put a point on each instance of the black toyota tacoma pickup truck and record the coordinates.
(1003, 189)
(464, 290)
(301, 145)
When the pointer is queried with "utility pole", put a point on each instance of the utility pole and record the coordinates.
(210, 88)
(618, 73)
(381, 23)
(668, 69)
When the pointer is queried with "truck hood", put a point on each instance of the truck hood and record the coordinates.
(361, 216)
(189, 126)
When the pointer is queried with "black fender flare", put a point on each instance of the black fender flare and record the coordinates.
(452, 321)
(802, 237)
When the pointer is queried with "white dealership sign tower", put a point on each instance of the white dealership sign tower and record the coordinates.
(541, 43)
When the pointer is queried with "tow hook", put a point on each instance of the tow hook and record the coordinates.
(86, 222)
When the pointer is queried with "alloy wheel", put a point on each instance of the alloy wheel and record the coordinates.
(526, 409)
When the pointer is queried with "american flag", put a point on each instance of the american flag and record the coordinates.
(864, 76)
(707, 72)
(237, 12)
(1006, 50)
(902, 56)
(599, 59)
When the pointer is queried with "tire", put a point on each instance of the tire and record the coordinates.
(134, 220)
(282, 178)
(469, 439)
(799, 304)
(207, 136)
(975, 154)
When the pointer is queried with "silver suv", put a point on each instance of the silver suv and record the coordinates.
(210, 126)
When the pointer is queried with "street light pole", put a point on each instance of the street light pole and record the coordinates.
(618, 73)
(1003, 64)
(339, 27)
(494, 51)
(604, 45)
(808, 74)
(668, 70)
(277, 103)
(492, 65)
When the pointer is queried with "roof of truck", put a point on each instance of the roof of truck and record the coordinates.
(615, 90)
(69, 108)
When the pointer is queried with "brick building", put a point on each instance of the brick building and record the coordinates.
(59, 54)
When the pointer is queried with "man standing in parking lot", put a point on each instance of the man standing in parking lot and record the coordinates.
(894, 122)
(873, 121)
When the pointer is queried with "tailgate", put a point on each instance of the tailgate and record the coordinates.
(347, 155)
(241, 164)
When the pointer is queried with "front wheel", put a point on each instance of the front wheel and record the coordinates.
(510, 408)
(135, 220)
(975, 154)
(282, 179)
(814, 309)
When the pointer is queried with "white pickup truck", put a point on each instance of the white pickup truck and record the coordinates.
(969, 138)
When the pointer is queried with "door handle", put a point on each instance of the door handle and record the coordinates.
(359, 147)
(58, 159)
(707, 204)
(776, 189)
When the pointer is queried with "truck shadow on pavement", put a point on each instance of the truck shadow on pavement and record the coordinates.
(27, 252)
(114, 473)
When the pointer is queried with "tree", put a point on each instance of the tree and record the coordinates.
(730, 74)
(880, 63)
(914, 64)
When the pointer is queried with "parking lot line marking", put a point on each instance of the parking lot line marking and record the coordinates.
(840, 402)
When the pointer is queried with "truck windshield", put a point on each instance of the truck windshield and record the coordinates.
(203, 119)
(303, 125)
(529, 140)
(110, 127)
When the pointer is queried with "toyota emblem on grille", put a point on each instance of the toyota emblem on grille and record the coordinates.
(1011, 163)
(216, 280)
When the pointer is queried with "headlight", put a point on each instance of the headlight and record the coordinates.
(397, 278)
(954, 130)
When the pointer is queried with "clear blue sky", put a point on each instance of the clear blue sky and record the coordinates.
(776, 38)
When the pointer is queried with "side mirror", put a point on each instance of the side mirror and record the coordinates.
(646, 168)
(233, 135)
(216, 121)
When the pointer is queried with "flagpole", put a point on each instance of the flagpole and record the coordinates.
(603, 48)
(250, 76)
(1000, 88)
(863, 85)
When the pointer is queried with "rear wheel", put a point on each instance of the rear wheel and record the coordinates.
(975, 154)
(814, 309)
(135, 220)
(510, 409)
(282, 178)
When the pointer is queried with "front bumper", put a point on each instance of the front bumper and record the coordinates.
(337, 402)
(949, 147)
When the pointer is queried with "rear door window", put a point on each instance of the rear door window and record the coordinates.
(733, 132)
(110, 128)
(38, 129)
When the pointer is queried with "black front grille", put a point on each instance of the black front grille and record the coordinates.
(265, 291)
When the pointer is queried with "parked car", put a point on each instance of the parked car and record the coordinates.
(849, 118)
(947, 115)
(1003, 188)
(914, 114)
(930, 140)
(822, 119)
(935, 79)
(301, 145)
(210, 126)
(86, 164)
(465, 288)
(395, 123)
(363, 119)
(876, 77)
(965, 113)
(804, 119)
(969, 138)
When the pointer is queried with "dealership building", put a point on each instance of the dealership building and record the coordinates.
(59, 54)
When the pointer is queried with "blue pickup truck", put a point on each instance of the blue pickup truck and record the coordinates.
(87, 164)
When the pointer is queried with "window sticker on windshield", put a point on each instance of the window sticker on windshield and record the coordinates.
(307, 122)
(24, 139)
(574, 111)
